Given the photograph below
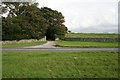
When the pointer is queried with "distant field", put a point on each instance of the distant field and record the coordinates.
(90, 35)
(87, 44)
(22, 44)
(60, 64)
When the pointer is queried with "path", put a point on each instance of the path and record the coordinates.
(49, 44)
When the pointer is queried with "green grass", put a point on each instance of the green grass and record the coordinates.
(90, 35)
(22, 44)
(87, 44)
(60, 65)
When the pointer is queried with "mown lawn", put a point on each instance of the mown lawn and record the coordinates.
(90, 35)
(60, 65)
(87, 44)
(22, 44)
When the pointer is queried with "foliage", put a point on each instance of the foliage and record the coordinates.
(27, 25)
(27, 21)
(38, 23)
(55, 20)
(12, 6)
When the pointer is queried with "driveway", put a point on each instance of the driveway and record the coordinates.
(49, 44)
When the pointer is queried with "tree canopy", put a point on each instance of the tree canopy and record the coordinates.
(55, 20)
(30, 22)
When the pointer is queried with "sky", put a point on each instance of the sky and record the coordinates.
(87, 16)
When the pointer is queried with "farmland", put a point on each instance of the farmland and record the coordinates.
(79, 44)
(60, 53)
(84, 64)
(90, 35)
(88, 44)
(60, 64)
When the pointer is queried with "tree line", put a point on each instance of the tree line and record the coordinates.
(27, 21)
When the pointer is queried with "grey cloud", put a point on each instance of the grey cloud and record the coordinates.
(87, 16)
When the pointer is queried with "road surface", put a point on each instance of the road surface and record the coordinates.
(50, 47)
(58, 49)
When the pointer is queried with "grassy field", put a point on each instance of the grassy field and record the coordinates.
(60, 65)
(22, 44)
(87, 44)
(90, 35)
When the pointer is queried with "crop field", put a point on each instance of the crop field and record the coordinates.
(60, 65)
(90, 35)
(87, 44)
(22, 44)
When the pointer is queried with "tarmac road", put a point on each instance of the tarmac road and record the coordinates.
(57, 49)
(50, 47)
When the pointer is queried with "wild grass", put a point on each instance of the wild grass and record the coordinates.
(60, 65)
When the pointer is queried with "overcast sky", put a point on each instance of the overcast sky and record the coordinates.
(92, 16)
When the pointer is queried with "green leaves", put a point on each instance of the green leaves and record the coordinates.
(55, 20)
(33, 23)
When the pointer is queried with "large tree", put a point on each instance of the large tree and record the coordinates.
(27, 21)
(12, 6)
(56, 28)
(33, 15)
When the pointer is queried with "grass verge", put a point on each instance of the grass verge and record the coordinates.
(60, 64)
(22, 44)
(87, 44)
